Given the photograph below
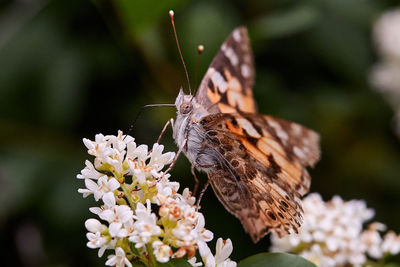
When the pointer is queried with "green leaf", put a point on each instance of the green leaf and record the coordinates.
(275, 259)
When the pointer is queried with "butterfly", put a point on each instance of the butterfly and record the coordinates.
(256, 164)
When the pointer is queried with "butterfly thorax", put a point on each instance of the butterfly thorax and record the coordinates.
(186, 127)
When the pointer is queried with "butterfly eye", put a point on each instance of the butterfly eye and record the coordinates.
(186, 108)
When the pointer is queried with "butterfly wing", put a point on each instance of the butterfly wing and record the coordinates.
(261, 174)
(226, 86)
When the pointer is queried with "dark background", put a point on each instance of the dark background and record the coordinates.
(70, 69)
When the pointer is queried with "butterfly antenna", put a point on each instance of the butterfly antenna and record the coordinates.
(171, 14)
(200, 50)
(143, 108)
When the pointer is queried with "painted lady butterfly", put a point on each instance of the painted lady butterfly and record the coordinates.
(255, 163)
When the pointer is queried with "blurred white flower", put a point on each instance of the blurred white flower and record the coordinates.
(316, 256)
(385, 75)
(387, 34)
(332, 233)
(391, 243)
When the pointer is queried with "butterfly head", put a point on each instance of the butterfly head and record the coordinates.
(184, 103)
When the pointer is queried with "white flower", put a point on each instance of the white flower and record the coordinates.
(89, 172)
(161, 251)
(193, 262)
(223, 250)
(206, 255)
(96, 237)
(157, 159)
(98, 148)
(138, 156)
(188, 197)
(145, 225)
(200, 233)
(104, 185)
(118, 259)
(332, 233)
(115, 215)
(94, 226)
(178, 224)
(166, 187)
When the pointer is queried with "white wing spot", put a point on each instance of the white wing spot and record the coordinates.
(296, 129)
(234, 84)
(219, 81)
(248, 127)
(306, 142)
(279, 131)
(245, 69)
(282, 135)
(237, 36)
(299, 152)
(231, 55)
(223, 47)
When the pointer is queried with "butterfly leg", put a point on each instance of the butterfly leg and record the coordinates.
(202, 193)
(196, 180)
(170, 121)
(176, 157)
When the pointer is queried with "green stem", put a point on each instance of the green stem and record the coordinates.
(135, 253)
(152, 258)
(128, 196)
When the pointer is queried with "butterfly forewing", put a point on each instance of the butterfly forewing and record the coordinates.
(226, 86)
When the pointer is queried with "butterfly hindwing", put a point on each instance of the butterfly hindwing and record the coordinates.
(227, 84)
(261, 176)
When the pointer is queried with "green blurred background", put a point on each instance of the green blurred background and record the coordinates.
(70, 69)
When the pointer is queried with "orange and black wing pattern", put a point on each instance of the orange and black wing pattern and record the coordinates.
(262, 172)
(227, 84)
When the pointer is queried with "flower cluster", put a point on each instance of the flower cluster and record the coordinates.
(332, 234)
(385, 75)
(144, 218)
